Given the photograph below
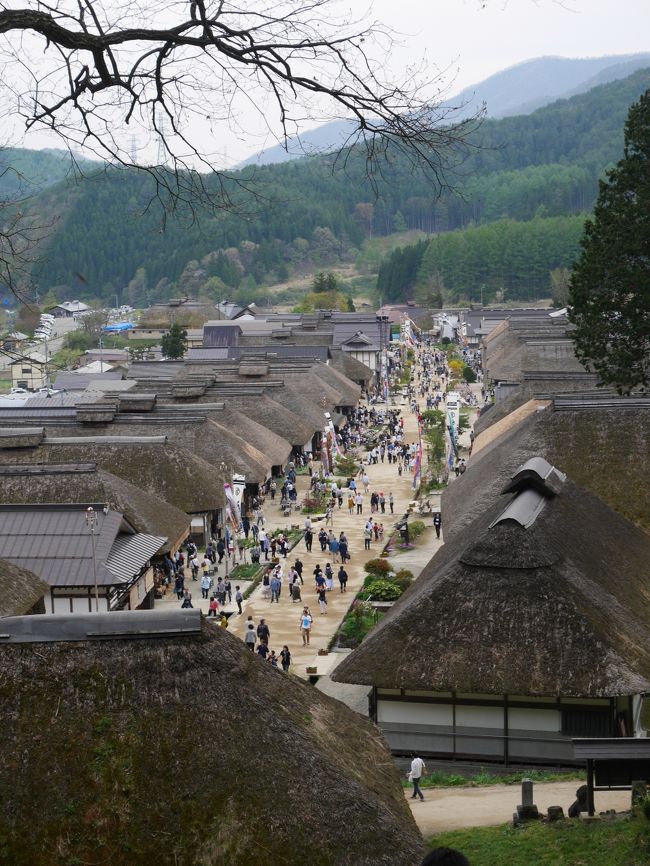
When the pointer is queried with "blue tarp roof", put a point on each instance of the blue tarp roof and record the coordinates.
(120, 326)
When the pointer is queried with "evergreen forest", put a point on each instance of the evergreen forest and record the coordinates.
(514, 214)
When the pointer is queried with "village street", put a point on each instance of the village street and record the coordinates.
(446, 809)
(283, 618)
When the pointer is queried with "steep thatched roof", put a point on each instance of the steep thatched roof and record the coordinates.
(348, 391)
(268, 412)
(350, 367)
(20, 589)
(309, 402)
(187, 750)
(173, 474)
(71, 484)
(605, 450)
(558, 608)
(540, 387)
(267, 441)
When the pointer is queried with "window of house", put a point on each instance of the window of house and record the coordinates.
(26, 370)
(586, 723)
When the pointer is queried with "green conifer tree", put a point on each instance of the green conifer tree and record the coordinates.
(610, 283)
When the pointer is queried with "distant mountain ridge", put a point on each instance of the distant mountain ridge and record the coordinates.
(544, 79)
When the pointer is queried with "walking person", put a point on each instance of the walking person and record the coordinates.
(250, 638)
(239, 597)
(285, 658)
(358, 499)
(418, 769)
(437, 523)
(309, 537)
(263, 631)
(305, 625)
(213, 607)
(322, 599)
(343, 579)
(391, 503)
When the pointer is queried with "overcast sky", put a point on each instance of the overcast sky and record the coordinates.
(468, 40)
(477, 42)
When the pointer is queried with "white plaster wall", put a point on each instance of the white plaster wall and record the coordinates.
(413, 714)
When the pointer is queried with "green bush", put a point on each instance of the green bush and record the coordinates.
(381, 590)
(378, 567)
(468, 374)
(347, 465)
(416, 528)
(403, 579)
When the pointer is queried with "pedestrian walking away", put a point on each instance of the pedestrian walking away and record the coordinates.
(418, 769)
(239, 597)
(250, 638)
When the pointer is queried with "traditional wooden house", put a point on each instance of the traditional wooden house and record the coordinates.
(100, 564)
(529, 627)
(70, 483)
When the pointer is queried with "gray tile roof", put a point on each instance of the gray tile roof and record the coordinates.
(54, 542)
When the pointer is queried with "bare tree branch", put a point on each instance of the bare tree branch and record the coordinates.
(92, 70)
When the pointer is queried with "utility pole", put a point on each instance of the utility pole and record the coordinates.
(91, 523)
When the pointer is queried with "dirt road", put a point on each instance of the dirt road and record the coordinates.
(455, 808)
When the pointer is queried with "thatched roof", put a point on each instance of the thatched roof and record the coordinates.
(69, 484)
(558, 608)
(187, 750)
(20, 589)
(531, 389)
(350, 367)
(167, 471)
(272, 415)
(348, 391)
(605, 450)
(265, 440)
(309, 403)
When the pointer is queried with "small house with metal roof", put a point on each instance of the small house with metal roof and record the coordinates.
(100, 563)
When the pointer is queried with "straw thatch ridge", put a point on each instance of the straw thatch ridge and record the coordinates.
(145, 512)
(20, 590)
(558, 609)
(180, 751)
(173, 474)
(349, 392)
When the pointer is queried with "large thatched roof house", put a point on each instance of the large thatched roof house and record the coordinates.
(530, 625)
(601, 441)
(183, 748)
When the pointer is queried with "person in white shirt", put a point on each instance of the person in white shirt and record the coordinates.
(418, 768)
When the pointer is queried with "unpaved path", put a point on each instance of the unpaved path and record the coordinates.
(456, 808)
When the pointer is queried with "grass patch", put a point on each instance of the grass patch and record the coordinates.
(567, 843)
(455, 780)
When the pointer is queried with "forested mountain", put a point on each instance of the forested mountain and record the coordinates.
(25, 172)
(520, 89)
(546, 164)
